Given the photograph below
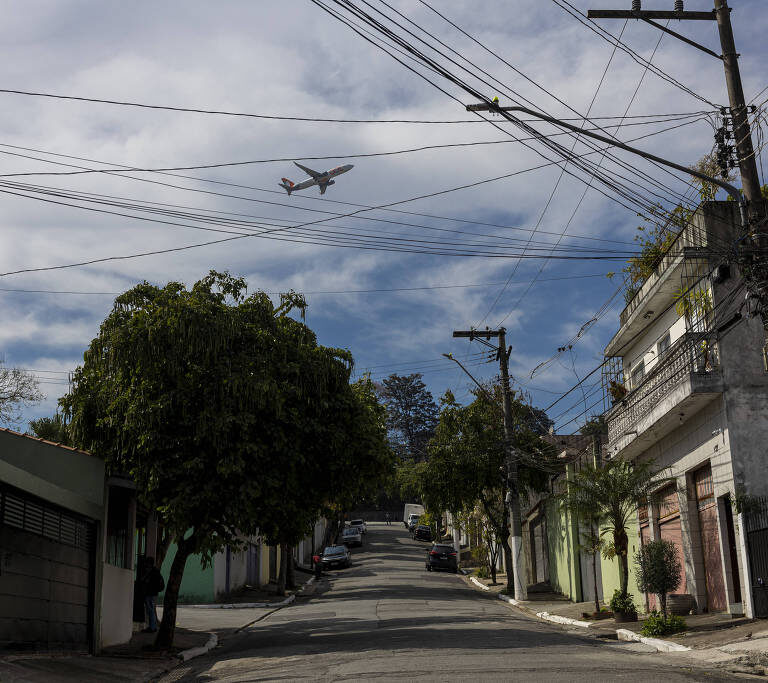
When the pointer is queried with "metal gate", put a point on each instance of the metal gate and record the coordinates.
(46, 575)
(756, 523)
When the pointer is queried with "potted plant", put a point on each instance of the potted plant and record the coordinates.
(623, 607)
(617, 390)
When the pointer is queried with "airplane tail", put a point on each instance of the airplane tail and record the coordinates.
(287, 185)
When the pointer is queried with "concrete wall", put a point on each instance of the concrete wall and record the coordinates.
(196, 584)
(610, 569)
(116, 605)
(238, 572)
(564, 567)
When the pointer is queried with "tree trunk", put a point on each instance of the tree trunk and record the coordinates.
(281, 575)
(663, 601)
(162, 547)
(620, 543)
(594, 581)
(508, 562)
(290, 574)
(167, 628)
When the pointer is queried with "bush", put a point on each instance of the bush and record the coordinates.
(482, 572)
(623, 603)
(658, 570)
(657, 625)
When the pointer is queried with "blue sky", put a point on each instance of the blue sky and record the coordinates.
(295, 60)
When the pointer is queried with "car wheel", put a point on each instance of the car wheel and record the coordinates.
(429, 568)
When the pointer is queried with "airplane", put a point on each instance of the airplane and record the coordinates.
(321, 179)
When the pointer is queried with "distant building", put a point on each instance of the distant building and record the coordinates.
(66, 548)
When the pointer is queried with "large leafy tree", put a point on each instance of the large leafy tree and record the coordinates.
(219, 405)
(412, 415)
(467, 463)
(610, 493)
(51, 429)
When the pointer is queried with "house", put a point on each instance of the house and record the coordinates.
(66, 552)
(693, 365)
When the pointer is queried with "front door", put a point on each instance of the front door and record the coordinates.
(710, 540)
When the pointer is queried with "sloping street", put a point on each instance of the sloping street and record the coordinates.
(386, 618)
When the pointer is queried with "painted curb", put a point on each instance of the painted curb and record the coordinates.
(511, 601)
(477, 583)
(660, 645)
(193, 652)
(246, 605)
(557, 619)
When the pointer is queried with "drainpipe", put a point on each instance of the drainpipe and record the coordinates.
(749, 604)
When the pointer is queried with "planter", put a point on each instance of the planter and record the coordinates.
(624, 617)
(680, 604)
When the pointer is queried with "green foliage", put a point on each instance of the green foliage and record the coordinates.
(658, 625)
(745, 503)
(482, 572)
(610, 493)
(693, 303)
(623, 602)
(658, 569)
(411, 415)
(596, 425)
(51, 429)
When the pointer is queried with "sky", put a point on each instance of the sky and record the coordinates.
(395, 310)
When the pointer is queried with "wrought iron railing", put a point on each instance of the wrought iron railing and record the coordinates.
(693, 353)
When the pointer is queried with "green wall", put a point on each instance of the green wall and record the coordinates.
(610, 568)
(196, 584)
(564, 574)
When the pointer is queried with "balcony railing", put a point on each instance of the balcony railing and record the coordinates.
(693, 353)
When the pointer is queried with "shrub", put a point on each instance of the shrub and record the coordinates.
(658, 570)
(482, 572)
(657, 625)
(623, 603)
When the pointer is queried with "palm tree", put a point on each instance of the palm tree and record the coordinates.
(611, 493)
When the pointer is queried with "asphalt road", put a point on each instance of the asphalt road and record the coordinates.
(386, 618)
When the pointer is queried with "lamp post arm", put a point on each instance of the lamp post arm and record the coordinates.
(730, 189)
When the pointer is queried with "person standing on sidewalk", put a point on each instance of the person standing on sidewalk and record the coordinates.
(388, 519)
(318, 566)
(152, 582)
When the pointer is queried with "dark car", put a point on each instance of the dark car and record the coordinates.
(335, 556)
(422, 533)
(442, 556)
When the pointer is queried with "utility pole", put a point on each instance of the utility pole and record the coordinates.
(512, 498)
(741, 131)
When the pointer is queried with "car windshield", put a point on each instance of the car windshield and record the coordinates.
(351, 532)
(335, 550)
(356, 522)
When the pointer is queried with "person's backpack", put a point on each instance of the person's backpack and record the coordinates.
(156, 582)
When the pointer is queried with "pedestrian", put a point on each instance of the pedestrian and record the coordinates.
(318, 566)
(152, 583)
(388, 519)
(139, 614)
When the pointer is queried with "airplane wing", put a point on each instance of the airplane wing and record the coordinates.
(308, 171)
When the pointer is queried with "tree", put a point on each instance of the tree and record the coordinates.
(658, 570)
(412, 415)
(18, 389)
(611, 493)
(51, 429)
(211, 401)
(467, 460)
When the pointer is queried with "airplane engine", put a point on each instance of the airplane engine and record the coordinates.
(331, 182)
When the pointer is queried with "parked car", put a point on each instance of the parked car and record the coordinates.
(442, 556)
(336, 556)
(422, 533)
(352, 536)
(413, 520)
(360, 524)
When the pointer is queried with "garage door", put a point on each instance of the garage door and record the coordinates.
(46, 575)
(670, 528)
(710, 540)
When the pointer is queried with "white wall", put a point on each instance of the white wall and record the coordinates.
(116, 605)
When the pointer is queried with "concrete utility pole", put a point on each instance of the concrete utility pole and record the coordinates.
(741, 131)
(512, 498)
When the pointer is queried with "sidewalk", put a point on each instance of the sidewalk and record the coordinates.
(737, 644)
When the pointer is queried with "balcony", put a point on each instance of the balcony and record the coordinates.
(687, 258)
(685, 380)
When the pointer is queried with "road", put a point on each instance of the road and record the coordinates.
(386, 618)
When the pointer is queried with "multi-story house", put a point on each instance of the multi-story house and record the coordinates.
(690, 392)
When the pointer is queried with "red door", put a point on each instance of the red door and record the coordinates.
(710, 540)
(670, 528)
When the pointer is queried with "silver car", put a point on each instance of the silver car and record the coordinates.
(352, 536)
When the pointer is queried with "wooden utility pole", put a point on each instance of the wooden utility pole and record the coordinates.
(750, 181)
(513, 488)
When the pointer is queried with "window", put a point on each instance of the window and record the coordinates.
(638, 372)
(662, 345)
(118, 525)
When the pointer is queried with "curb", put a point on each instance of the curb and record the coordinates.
(512, 601)
(660, 645)
(477, 583)
(557, 619)
(191, 653)
(249, 605)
